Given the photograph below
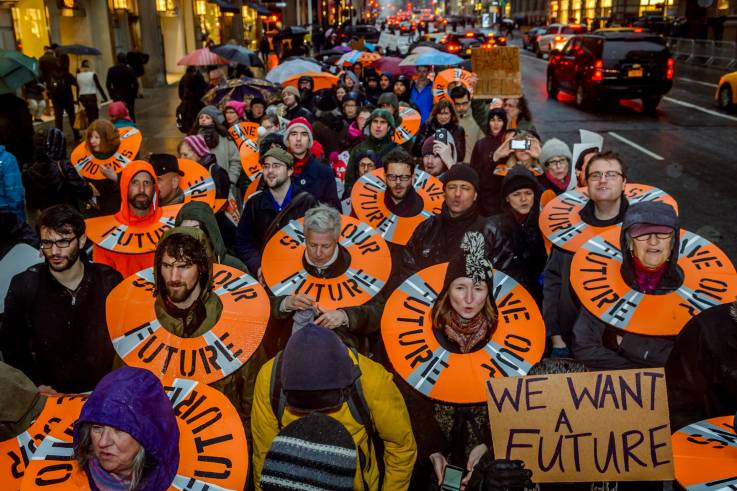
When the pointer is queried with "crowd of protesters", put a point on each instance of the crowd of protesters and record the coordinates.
(495, 174)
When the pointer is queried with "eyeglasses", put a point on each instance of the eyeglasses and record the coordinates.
(557, 162)
(609, 175)
(61, 243)
(395, 178)
(643, 238)
(274, 166)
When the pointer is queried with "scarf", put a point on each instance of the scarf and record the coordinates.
(103, 479)
(299, 165)
(466, 332)
(559, 185)
(647, 279)
(211, 136)
(192, 317)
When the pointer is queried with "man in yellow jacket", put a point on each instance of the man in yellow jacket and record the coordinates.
(316, 372)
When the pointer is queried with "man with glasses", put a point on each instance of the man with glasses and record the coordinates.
(55, 329)
(279, 196)
(605, 181)
(462, 102)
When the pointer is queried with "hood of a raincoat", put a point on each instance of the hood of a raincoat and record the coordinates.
(125, 215)
(205, 276)
(197, 210)
(20, 402)
(652, 213)
(133, 400)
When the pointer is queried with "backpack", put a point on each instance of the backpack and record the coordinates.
(58, 84)
(356, 404)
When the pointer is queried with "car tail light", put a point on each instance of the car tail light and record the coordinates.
(469, 34)
(598, 71)
(669, 71)
(502, 39)
(454, 47)
(444, 40)
(558, 39)
(537, 38)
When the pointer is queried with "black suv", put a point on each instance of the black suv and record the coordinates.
(612, 66)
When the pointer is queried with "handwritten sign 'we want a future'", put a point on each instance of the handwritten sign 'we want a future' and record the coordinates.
(583, 427)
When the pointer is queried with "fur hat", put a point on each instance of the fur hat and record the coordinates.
(313, 452)
(554, 148)
(301, 123)
(215, 113)
(472, 263)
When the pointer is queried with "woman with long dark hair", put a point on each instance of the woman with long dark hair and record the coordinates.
(443, 116)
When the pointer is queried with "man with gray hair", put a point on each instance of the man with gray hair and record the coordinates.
(324, 257)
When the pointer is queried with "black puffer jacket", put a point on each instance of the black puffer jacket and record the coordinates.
(595, 343)
(327, 129)
(438, 239)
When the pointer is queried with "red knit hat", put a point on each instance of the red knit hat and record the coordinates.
(301, 123)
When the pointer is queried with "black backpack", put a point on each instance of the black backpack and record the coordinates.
(356, 404)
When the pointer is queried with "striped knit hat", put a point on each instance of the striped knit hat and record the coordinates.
(197, 144)
(314, 452)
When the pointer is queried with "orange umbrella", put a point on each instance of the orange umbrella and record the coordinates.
(448, 78)
(409, 125)
(323, 80)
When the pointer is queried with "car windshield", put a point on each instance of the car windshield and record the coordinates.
(634, 48)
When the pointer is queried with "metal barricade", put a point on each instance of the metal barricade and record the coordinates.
(722, 54)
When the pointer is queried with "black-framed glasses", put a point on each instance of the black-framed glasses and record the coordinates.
(609, 175)
(557, 162)
(61, 243)
(663, 236)
(395, 178)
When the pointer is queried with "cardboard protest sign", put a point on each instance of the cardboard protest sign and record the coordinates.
(498, 70)
(582, 427)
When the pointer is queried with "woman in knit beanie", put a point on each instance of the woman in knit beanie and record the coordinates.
(193, 147)
(234, 112)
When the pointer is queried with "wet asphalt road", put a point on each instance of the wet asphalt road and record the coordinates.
(698, 148)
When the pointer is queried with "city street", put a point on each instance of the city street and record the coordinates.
(687, 149)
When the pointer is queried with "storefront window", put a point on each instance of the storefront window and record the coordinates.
(31, 27)
(563, 12)
(721, 5)
(210, 23)
(576, 14)
(653, 6)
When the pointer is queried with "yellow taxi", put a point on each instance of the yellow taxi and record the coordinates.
(726, 95)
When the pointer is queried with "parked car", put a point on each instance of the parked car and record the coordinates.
(531, 37)
(726, 95)
(612, 66)
(556, 36)
(368, 32)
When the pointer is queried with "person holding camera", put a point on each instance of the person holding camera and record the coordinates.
(443, 117)
(438, 154)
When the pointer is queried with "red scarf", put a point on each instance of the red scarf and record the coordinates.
(466, 332)
(648, 279)
(299, 165)
(561, 185)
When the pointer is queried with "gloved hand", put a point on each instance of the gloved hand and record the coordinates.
(55, 144)
(505, 475)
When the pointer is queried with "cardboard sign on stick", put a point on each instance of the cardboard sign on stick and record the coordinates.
(583, 427)
(498, 70)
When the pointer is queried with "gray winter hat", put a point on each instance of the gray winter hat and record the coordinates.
(554, 148)
(215, 113)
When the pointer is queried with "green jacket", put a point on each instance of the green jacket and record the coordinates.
(197, 210)
(20, 402)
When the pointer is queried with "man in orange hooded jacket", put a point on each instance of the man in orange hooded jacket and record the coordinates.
(138, 208)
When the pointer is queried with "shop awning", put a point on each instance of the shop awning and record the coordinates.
(226, 6)
(260, 9)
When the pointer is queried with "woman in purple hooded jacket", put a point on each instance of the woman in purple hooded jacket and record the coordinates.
(127, 436)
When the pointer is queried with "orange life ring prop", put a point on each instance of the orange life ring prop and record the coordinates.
(213, 452)
(88, 165)
(503, 170)
(141, 341)
(249, 158)
(450, 76)
(252, 187)
(367, 200)
(709, 280)
(705, 455)
(561, 222)
(409, 125)
(366, 275)
(110, 234)
(241, 132)
(197, 183)
(406, 328)
(56, 419)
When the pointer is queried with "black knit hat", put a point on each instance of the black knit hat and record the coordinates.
(473, 262)
(314, 452)
(519, 177)
(462, 172)
(325, 100)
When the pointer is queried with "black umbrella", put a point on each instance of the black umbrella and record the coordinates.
(291, 31)
(79, 49)
(238, 54)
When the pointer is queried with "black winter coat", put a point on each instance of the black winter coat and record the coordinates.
(329, 130)
(57, 337)
(438, 239)
(122, 83)
(702, 368)
(299, 111)
(318, 179)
